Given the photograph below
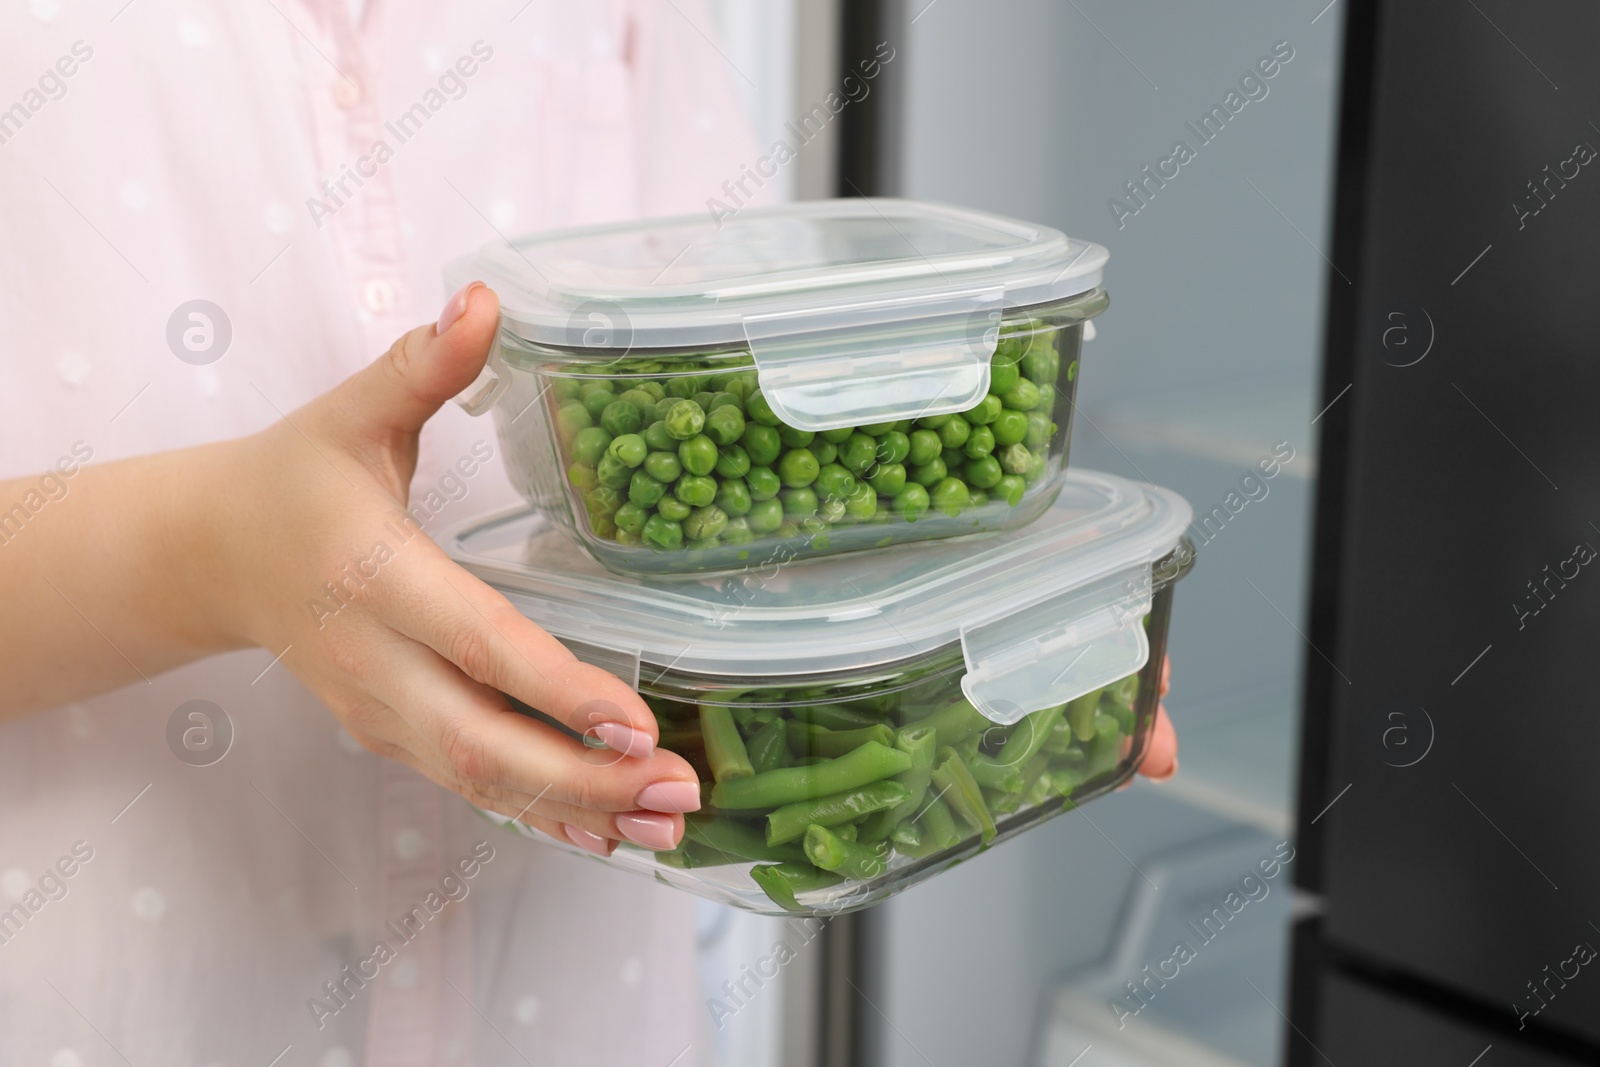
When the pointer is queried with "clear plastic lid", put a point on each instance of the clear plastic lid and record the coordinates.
(854, 310)
(1042, 614)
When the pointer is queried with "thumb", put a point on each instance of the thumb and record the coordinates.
(405, 386)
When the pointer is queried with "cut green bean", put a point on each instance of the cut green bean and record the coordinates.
(939, 826)
(1029, 736)
(739, 841)
(1080, 714)
(869, 763)
(1106, 748)
(835, 716)
(769, 747)
(830, 852)
(921, 744)
(783, 882)
(954, 722)
(790, 821)
(808, 740)
(725, 750)
(962, 792)
(910, 839)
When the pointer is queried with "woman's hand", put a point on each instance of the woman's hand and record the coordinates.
(410, 651)
(1161, 762)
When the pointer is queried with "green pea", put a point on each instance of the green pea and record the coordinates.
(704, 398)
(976, 498)
(862, 504)
(725, 400)
(629, 448)
(628, 537)
(932, 422)
(826, 452)
(835, 483)
(582, 477)
(831, 511)
(985, 411)
(572, 417)
(1015, 459)
(859, 452)
(602, 526)
(654, 389)
(596, 397)
(953, 458)
(1040, 430)
(698, 455)
(795, 438)
(889, 479)
(893, 447)
(663, 466)
(798, 467)
(644, 490)
(1002, 375)
(929, 474)
(589, 444)
(672, 508)
(662, 532)
(705, 522)
(762, 442)
(741, 388)
(878, 429)
(911, 502)
(837, 436)
(1024, 396)
(765, 516)
(612, 471)
(602, 500)
(954, 433)
(788, 530)
(1010, 427)
(643, 401)
(949, 496)
(979, 443)
(696, 490)
(1041, 363)
(764, 483)
(620, 417)
(1036, 468)
(630, 516)
(656, 436)
(733, 462)
(682, 388)
(983, 472)
(683, 419)
(924, 447)
(798, 503)
(738, 531)
(1010, 489)
(734, 498)
(725, 424)
(566, 388)
(759, 410)
(1072, 371)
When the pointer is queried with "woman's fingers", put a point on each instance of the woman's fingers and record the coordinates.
(1161, 761)
(491, 642)
(1166, 674)
(475, 742)
(653, 830)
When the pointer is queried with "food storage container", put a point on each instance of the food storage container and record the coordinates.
(861, 723)
(691, 394)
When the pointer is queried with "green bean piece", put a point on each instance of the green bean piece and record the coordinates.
(782, 882)
(769, 748)
(953, 722)
(790, 821)
(740, 841)
(939, 829)
(910, 839)
(829, 851)
(1028, 736)
(848, 831)
(1080, 715)
(807, 739)
(691, 854)
(725, 749)
(956, 783)
(834, 715)
(1106, 748)
(991, 773)
(922, 745)
(870, 762)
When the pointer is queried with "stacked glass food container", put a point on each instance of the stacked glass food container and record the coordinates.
(800, 477)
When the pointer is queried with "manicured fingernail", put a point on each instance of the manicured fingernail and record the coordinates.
(669, 796)
(652, 831)
(1168, 776)
(624, 739)
(588, 842)
(456, 307)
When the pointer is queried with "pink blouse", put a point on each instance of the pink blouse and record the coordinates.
(299, 900)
